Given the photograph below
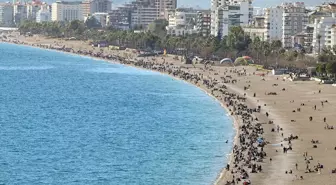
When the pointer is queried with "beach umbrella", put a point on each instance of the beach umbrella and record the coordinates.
(225, 60)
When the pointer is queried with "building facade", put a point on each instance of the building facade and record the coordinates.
(144, 15)
(294, 21)
(19, 13)
(203, 24)
(322, 32)
(273, 23)
(43, 15)
(32, 10)
(66, 11)
(90, 7)
(228, 13)
(6, 14)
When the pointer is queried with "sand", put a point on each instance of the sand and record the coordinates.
(280, 108)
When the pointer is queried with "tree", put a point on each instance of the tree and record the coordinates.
(319, 43)
(321, 69)
(276, 46)
(92, 22)
(158, 27)
(266, 47)
(331, 68)
(237, 39)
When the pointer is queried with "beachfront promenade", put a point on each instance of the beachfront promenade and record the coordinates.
(285, 128)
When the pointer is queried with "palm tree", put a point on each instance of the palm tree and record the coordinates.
(276, 46)
(319, 43)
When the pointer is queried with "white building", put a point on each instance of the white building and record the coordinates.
(43, 15)
(144, 15)
(333, 36)
(6, 14)
(93, 6)
(66, 11)
(322, 28)
(182, 22)
(273, 23)
(294, 20)
(32, 10)
(228, 13)
(182, 17)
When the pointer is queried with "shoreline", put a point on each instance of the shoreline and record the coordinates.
(223, 175)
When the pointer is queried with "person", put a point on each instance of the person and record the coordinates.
(324, 119)
(296, 166)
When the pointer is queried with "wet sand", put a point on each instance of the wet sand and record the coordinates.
(282, 112)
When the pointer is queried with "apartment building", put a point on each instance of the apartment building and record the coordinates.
(333, 35)
(6, 14)
(203, 24)
(228, 13)
(257, 28)
(144, 15)
(322, 32)
(164, 7)
(19, 13)
(90, 7)
(273, 23)
(43, 15)
(308, 39)
(121, 18)
(294, 21)
(66, 11)
(182, 22)
(32, 9)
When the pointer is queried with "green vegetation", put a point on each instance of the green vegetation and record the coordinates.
(234, 45)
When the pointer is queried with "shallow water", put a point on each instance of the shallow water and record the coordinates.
(68, 119)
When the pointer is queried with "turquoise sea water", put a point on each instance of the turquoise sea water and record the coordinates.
(66, 119)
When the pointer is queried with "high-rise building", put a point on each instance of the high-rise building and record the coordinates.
(294, 20)
(19, 13)
(43, 15)
(322, 32)
(32, 9)
(92, 6)
(164, 6)
(66, 11)
(203, 24)
(273, 23)
(228, 13)
(6, 14)
(143, 16)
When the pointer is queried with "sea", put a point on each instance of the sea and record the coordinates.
(68, 119)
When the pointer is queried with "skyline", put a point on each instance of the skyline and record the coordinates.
(205, 4)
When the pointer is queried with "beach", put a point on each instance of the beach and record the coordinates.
(304, 149)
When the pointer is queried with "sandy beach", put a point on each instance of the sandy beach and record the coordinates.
(293, 119)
